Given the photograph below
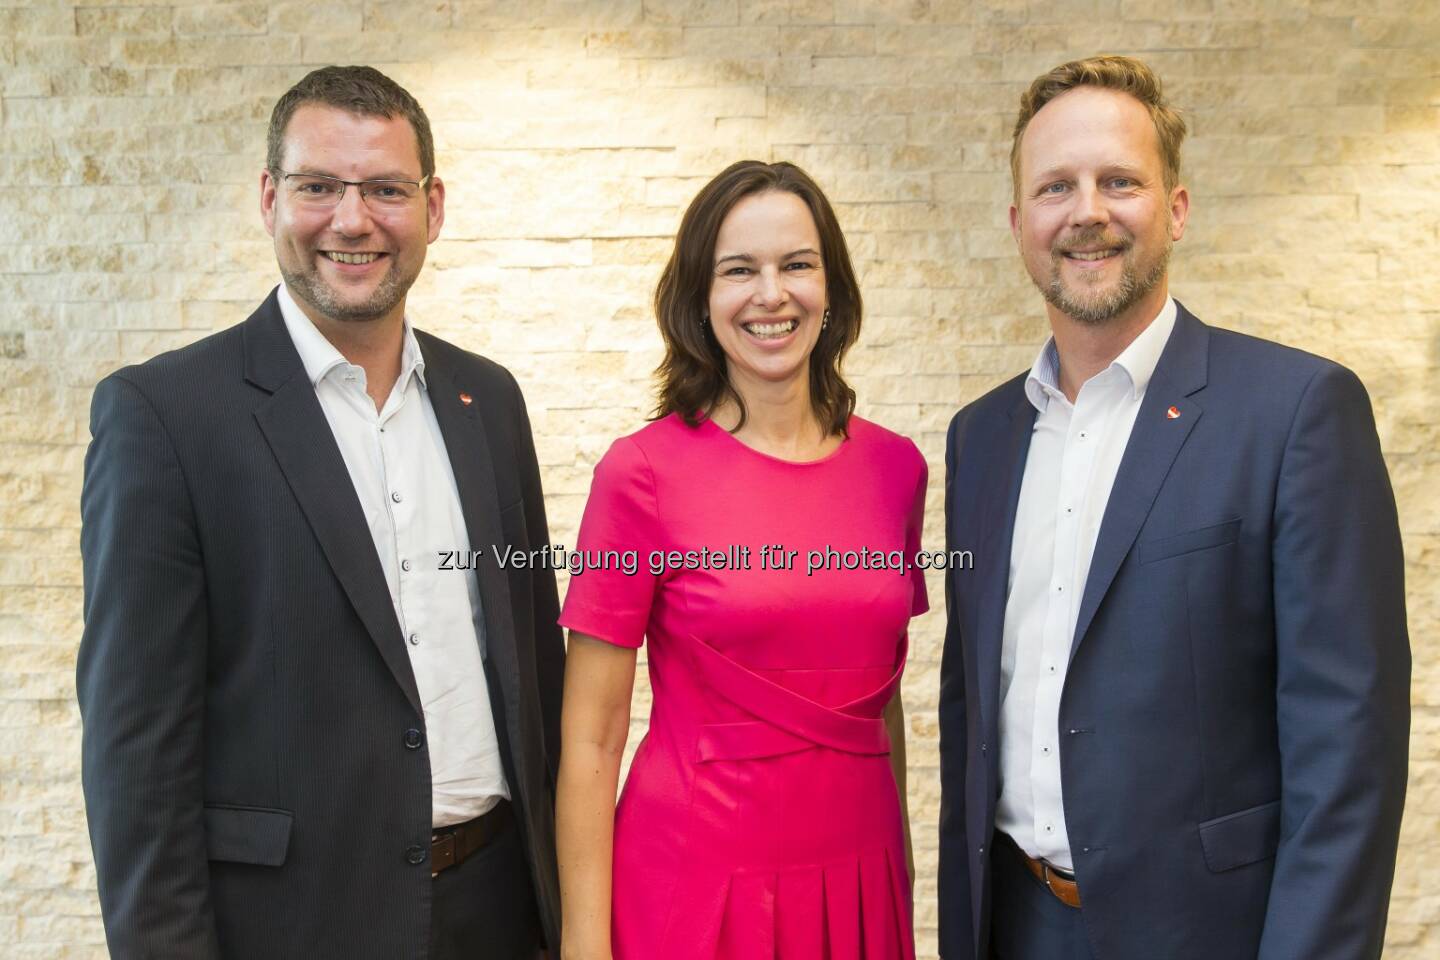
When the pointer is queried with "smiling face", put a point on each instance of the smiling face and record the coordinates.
(1094, 219)
(767, 296)
(350, 263)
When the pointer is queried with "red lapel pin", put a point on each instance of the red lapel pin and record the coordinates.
(1172, 414)
(466, 399)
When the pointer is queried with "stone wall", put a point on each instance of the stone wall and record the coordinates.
(570, 135)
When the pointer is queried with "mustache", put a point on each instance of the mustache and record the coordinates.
(1090, 238)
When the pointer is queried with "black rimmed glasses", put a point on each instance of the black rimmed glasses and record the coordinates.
(314, 190)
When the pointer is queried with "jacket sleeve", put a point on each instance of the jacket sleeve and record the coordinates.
(1343, 680)
(140, 682)
(549, 639)
(957, 935)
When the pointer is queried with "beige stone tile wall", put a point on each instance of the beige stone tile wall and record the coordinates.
(571, 134)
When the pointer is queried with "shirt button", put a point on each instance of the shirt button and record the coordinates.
(1045, 750)
(1050, 667)
(1069, 510)
(1049, 828)
(415, 855)
(1083, 435)
(1059, 588)
(404, 564)
(395, 495)
(414, 639)
(413, 739)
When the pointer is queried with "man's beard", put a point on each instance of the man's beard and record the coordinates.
(1097, 309)
(309, 286)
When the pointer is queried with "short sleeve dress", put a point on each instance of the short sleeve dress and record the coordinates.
(760, 818)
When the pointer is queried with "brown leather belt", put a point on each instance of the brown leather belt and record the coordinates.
(1061, 884)
(451, 846)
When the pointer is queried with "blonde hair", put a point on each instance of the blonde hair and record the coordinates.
(1108, 72)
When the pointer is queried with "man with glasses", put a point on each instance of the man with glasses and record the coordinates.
(305, 734)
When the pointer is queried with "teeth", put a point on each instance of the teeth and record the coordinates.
(1095, 255)
(351, 257)
(771, 329)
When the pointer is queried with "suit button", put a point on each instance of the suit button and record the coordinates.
(413, 739)
(415, 855)
(984, 747)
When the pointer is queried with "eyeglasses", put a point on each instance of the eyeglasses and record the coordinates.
(313, 190)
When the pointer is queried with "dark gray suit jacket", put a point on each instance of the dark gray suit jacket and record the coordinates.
(1235, 718)
(255, 765)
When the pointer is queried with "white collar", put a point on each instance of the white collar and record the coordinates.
(320, 356)
(1137, 361)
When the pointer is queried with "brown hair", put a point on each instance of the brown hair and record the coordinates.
(1125, 74)
(692, 377)
(360, 90)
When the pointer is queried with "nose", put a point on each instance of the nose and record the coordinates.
(351, 217)
(770, 289)
(1089, 206)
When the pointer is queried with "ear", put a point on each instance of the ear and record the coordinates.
(435, 207)
(268, 188)
(1015, 223)
(1179, 211)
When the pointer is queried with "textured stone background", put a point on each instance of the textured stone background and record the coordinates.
(571, 134)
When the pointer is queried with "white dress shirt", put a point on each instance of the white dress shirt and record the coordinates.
(401, 473)
(1074, 455)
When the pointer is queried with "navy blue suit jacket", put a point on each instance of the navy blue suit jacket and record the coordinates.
(1235, 720)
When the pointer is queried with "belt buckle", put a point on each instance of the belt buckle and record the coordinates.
(1050, 874)
(442, 853)
(1051, 870)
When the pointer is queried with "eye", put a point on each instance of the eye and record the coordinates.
(1122, 183)
(1055, 188)
(795, 265)
(736, 272)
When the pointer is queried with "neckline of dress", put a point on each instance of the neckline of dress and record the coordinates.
(832, 455)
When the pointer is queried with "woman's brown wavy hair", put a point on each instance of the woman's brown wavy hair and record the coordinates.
(692, 377)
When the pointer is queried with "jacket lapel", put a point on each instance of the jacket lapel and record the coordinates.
(1001, 498)
(467, 444)
(1155, 441)
(299, 435)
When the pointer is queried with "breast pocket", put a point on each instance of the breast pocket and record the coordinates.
(239, 834)
(1191, 541)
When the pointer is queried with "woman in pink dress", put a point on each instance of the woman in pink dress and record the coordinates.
(760, 536)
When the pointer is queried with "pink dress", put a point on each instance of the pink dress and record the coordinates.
(760, 818)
